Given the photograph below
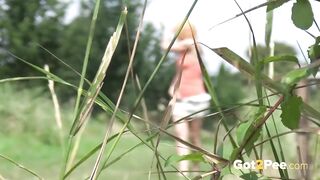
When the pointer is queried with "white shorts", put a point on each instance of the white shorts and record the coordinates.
(187, 106)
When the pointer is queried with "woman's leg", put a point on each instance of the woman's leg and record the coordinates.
(182, 131)
(195, 137)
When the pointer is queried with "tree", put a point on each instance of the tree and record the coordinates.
(28, 25)
(148, 52)
(25, 26)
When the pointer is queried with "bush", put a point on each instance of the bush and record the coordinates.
(27, 111)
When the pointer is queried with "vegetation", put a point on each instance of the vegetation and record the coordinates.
(122, 81)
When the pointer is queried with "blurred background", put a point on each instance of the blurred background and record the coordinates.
(55, 31)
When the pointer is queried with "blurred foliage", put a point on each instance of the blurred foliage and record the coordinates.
(280, 68)
(228, 87)
(229, 93)
(37, 117)
(27, 25)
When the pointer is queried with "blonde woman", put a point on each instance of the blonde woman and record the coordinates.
(191, 94)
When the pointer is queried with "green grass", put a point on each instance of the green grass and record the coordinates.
(29, 135)
(45, 159)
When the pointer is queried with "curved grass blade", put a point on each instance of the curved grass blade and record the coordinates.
(167, 114)
(60, 60)
(283, 173)
(49, 75)
(95, 172)
(257, 126)
(245, 129)
(80, 87)
(214, 97)
(87, 104)
(244, 67)
(163, 58)
(23, 78)
(98, 80)
(195, 157)
(21, 166)
(216, 159)
(315, 131)
(86, 57)
(86, 157)
(281, 58)
(257, 66)
(249, 10)
(136, 103)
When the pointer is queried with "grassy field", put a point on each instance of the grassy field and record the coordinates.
(45, 159)
(29, 137)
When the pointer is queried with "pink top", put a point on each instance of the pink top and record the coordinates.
(191, 79)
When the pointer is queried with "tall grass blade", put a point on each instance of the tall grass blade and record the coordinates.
(86, 57)
(129, 70)
(268, 37)
(60, 60)
(86, 157)
(56, 106)
(98, 80)
(244, 67)
(94, 90)
(80, 87)
(247, 11)
(163, 58)
(23, 79)
(21, 166)
(258, 68)
(168, 112)
(216, 159)
(41, 70)
(256, 127)
(283, 173)
(315, 131)
(148, 82)
(55, 101)
(100, 76)
(214, 97)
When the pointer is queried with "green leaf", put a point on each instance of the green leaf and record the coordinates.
(253, 176)
(225, 149)
(281, 58)
(247, 133)
(314, 54)
(250, 176)
(291, 111)
(302, 15)
(195, 157)
(247, 69)
(294, 76)
(275, 4)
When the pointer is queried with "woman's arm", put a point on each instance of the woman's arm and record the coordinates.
(178, 46)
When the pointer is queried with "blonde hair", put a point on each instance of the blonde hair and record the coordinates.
(187, 31)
